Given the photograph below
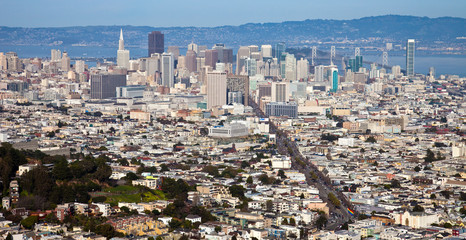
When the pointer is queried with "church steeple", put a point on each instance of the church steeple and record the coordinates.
(121, 43)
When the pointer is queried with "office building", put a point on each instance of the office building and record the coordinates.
(193, 47)
(241, 56)
(265, 90)
(280, 92)
(104, 85)
(216, 89)
(235, 97)
(280, 109)
(175, 50)
(290, 67)
(122, 54)
(130, 91)
(250, 66)
(253, 49)
(239, 84)
(410, 49)
(302, 69)
(333, 75)
(3, 61)
(65, 62)
(279, 49)
(211, 57)
(152, 64)
(282, 62)
(229, 130)
(191, 61)
(55, 55)
(156, 43)
(354, 64)
(396, 70)
(168, 66)
(266, 51)
(80, 66)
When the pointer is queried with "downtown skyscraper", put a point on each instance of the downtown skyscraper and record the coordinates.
(410, 49)
(122, 54)
(156, 43)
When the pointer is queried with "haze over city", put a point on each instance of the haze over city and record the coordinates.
(209, 13)
(267, 120)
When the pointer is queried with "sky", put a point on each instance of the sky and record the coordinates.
(208, 13)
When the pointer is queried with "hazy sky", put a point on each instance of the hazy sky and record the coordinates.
(165, 13)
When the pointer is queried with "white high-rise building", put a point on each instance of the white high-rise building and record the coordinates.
(168, 63)
(266, 51)
(319, 73)
(290, 67)
(216, 89)
(65, 62)
(122, 54)
(55, 55)
(396, 70)
(193, 46)
(302, 69)
(79, 66)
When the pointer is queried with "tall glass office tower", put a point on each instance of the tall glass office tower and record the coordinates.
(279, 49)
(410, 57)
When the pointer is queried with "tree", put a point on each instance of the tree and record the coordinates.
(237, 191)
(433, 196)
(329, 137)
(265, 179)
(9, 237)
(445, 194)
(285, 221)
(123, 162)
(107, 231)
(418, 208)
(211, 170)
(292, 222)
(395, 184)
(417, 169)
(29, 222)
(269, 205)
(447, 225)
(249, 180)
(244, 164)
(281, 174)
(371, 139)
(50, 134)
(430, 156)
(463, 196)
(334, 200)
(321, 221)
(61, 171)
(51, 218)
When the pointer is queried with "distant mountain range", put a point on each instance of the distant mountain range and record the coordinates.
(392, 28)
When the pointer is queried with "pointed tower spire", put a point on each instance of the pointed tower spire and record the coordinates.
(121, 43)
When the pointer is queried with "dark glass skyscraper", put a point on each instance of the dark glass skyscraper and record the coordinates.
(156, 42)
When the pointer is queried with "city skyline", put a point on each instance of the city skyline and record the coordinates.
(187, 14)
